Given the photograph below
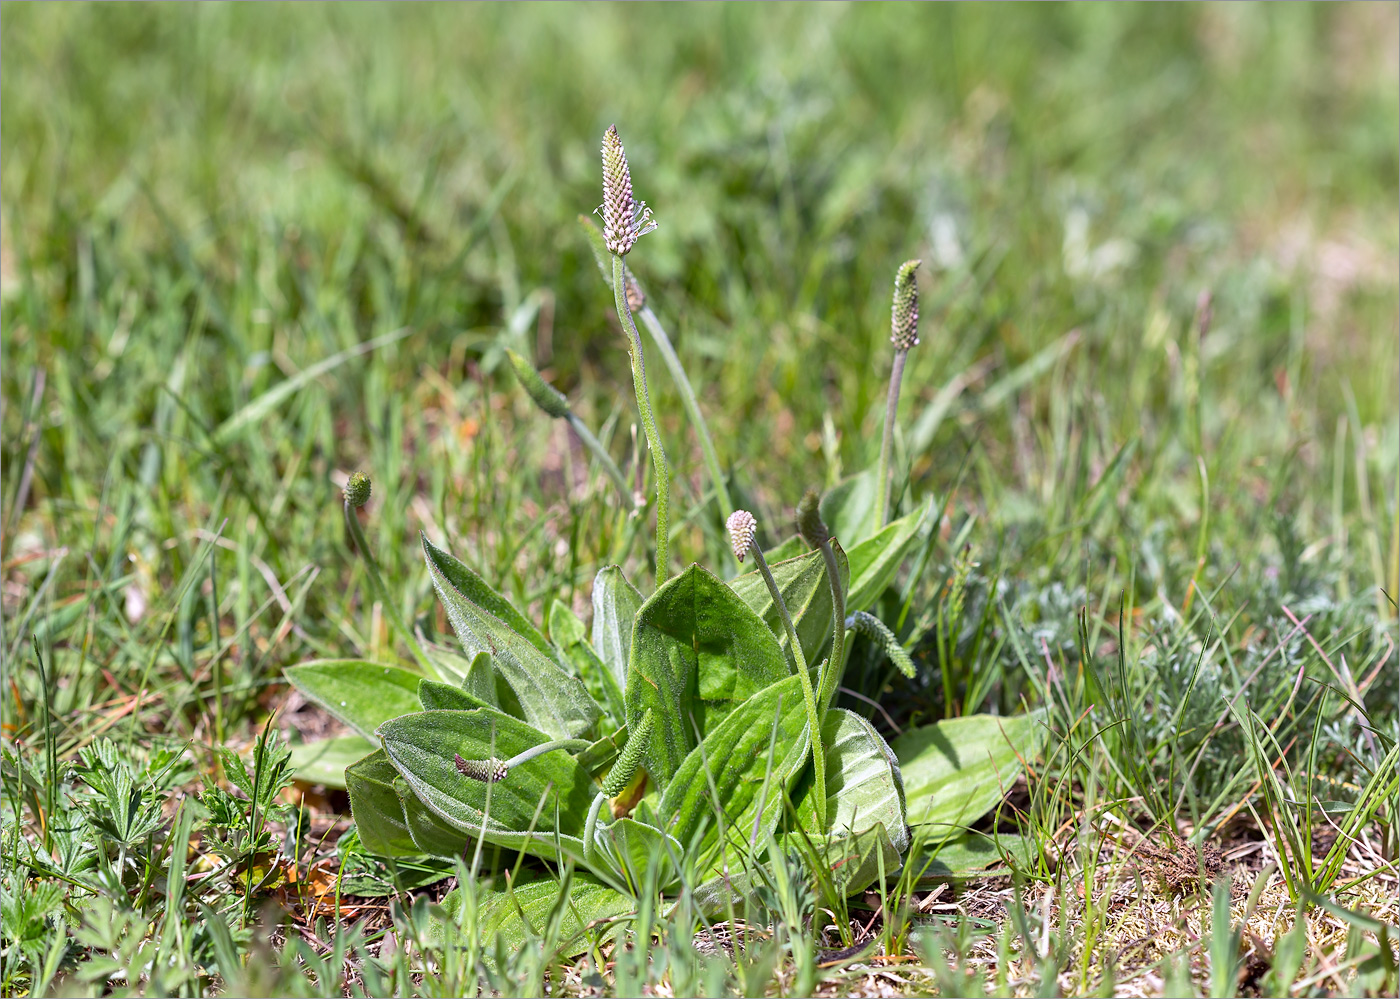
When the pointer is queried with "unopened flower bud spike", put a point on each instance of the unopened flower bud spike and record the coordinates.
(357, 493)
(630, 759)
(815, 532)
(624, 221)
(904, 334)
(743, 530)
(553, 403)
(872, 627)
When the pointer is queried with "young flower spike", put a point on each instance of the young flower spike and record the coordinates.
(624, 218)
(904, 313)
(486, 771)
(904, 333)
(741, 526)
(357, 490)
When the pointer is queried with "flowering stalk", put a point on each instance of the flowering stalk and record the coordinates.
(904, 333)
(637, 302)
(357, 492)
(625, 220)
(493, 771)
(815, 532)
(742, 529)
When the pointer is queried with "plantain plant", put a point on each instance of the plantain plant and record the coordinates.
(689, 737)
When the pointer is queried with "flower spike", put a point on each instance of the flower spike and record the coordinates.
(741, 526)
(904, 312)
(486, 771)
(624, 218)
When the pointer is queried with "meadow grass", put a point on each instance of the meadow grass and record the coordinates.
(248, 250)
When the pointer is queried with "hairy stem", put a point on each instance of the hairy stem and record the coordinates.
(658, 455)
(604, 459)
(834, 665)
(376, 582)
(882, 488)
(799, 661)
(692, 406)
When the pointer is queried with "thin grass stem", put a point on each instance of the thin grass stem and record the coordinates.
(692, 406)
(601, 453)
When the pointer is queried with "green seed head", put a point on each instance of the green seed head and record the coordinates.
(624, 218)
(546, 396)
(904, 314)
(486, 771)
(357, 490)
(742, 527)
(809, 519)
(625, 768)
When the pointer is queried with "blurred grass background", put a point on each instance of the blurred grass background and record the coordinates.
(201, 202)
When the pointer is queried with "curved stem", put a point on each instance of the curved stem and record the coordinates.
(571, 745)
(376, 582)
(799, 660)
(658, 455)
(692, 406)
(834, 665)
(601, 453)
(882, 488)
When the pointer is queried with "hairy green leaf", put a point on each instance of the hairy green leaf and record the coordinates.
(803, 584)
(865, 805)
(360, 694)
(511, 914)
(698, 650)
(551, 792)
(375, 806)
(848, 508)
(957, 770)
(550, 699)
(324, 761)
(874, 562)
(730, 770)
(568, 634)
(615, 606)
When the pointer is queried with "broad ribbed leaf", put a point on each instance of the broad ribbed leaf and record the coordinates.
(848, 509)
(430, 833)
(378, 814)
(324, 761)
(973, 854)
(697, 651)
(802, 582)
(639, 848)
(568, 634)
(874, 562)
(551, 792)
(479, 592)
(360, 694)
(550, 699)
(435, 696)
(957, 770)
(615, 606)
(512, 915)
(864, 807)
(736, 754)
